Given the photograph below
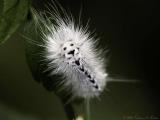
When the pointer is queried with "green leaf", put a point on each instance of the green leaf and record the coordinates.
(1, 7)
(13, 14)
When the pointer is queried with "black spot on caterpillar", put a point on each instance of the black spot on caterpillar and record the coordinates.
(92, 81)
(96, 86)
(82, 69)
(77, 62)
(71, 52)
(86, 73)
(89, 76)
(64, 48)
(71, 44)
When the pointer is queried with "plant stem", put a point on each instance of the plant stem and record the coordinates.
(87, 104)
(74, 111)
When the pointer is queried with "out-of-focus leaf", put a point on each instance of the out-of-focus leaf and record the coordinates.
(7, 4)
(1, 7)
(13, 14)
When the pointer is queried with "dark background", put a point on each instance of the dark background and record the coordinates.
(129, 28)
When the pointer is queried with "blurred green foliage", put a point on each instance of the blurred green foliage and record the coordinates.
(13, 14)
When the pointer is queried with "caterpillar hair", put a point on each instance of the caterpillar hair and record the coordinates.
(70, 50)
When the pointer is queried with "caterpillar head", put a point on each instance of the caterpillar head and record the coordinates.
(70, 50)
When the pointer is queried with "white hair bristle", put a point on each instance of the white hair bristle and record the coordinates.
(71, 52)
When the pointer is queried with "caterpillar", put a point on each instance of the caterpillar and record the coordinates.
(71, 51)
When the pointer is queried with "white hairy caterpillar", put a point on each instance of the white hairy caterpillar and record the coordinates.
(70, 50)
(75, 59)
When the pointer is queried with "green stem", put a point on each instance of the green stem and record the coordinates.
(87, 104)
(74, 111)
